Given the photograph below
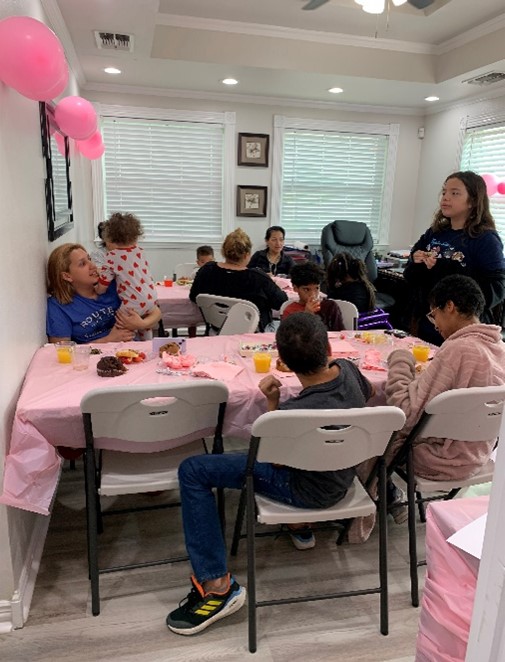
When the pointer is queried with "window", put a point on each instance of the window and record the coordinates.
(171, 169)
(332, 170)
(484, 152)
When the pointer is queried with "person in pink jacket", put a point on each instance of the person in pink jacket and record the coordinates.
(472, 354)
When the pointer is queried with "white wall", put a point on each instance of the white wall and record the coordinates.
(23, 297)
(257, 118)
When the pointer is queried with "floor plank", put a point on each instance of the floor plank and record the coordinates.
(134, 604)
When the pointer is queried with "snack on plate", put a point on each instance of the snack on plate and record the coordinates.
(130, 356)
(280, 365)
(110, 366)
(247, 349)
(170, 348)
(184, 280)
(95, 350)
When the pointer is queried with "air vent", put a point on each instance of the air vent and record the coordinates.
(114, 41)
(486, 79)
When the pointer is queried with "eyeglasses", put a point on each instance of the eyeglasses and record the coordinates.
(430, 315)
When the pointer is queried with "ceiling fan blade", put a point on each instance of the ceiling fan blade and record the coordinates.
(314, 4)
(421, 4)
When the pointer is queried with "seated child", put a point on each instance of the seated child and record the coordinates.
(306, 279)
(348, 280)
(204, 254)
(125, 262)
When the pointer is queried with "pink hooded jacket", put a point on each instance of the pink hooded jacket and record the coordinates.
(472, 356)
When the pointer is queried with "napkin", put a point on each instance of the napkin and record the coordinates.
(221, 370)
(372, 360)
(342, 349)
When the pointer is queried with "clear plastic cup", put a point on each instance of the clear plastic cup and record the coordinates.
(64, 350)
(262, 361)
(167, 281)
(421, 353)
(81, 357)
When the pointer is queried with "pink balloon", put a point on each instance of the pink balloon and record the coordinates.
(60, 142)
(93, 147)
(32, 60)
(501, 188)
(76, 117)
(491, 184)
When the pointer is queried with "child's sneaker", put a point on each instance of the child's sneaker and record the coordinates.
(302, 538)
(200, 609)
(396, 507)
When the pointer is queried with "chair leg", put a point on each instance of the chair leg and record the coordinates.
(238, 523)
(251, 564)
(91, 513)
(383, 550)
(421, 508)
(411, 504)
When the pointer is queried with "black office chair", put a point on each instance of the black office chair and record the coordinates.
(354, 238)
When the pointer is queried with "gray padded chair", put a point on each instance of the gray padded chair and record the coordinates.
(354, 238)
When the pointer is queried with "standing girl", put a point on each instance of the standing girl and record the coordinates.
(461, 240)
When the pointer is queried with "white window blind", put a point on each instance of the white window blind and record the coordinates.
(333, 170)
(484, 153)
(168, 173)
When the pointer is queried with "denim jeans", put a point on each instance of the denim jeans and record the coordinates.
(202, 528)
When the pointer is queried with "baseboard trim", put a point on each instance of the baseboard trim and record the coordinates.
(13, 613)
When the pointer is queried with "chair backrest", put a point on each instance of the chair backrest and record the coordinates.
(299, 438)
(155, 412)
(349, 313)
(243, 317)
(215, 309)
(464, 414)
(284, 306)
(350, 237)
(185, 270)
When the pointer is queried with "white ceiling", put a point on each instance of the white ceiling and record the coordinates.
(278, 51)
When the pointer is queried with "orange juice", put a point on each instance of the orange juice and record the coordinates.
(262, 361)
(64, 354)
(421, 352)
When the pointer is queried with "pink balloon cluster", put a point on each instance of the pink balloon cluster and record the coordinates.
(32, 60)
(77, 118)
(494, 185)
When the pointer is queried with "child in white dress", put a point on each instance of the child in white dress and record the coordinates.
(125, 262)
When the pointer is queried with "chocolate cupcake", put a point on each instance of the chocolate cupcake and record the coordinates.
(110, 366)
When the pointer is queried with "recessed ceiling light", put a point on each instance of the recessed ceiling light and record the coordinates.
(335, 90)
(432, 99)
(112, 70)
(230, 81)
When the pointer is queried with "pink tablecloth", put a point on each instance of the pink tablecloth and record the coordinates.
(48, 410)
(451, 578)
(176, 308)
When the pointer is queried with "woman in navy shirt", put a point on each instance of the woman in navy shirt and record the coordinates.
(461, 240)
(76, 312)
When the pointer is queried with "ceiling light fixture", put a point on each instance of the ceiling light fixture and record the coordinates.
(230, 81)
(378, 6)
(432, 99)
(112, 70)
(335, 90)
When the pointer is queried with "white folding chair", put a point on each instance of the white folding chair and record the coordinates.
(185, 269)
(349, 313)
(179, 414)
(301, 439)
(284, 306)
(463, 414)
(216, 309)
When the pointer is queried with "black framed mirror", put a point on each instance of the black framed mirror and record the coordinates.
(58, 187)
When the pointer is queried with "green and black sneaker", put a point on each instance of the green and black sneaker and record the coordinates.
(199, 609)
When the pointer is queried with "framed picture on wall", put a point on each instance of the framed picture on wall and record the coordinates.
(253, 149)
(252, 201)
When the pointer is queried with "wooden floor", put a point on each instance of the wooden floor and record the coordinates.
(134, 604)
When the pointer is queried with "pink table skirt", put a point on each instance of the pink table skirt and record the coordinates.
(451, 578)
(48, 410)
(176, 308)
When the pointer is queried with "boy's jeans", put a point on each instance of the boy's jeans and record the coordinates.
(202, 527)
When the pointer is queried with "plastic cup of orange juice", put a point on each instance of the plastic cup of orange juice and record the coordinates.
(421, 352)
(262, 361)
(64, 351)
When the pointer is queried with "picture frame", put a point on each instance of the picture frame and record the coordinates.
(253, 149)
(252, 201)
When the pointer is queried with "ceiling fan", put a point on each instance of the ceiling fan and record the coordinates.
(418, 4)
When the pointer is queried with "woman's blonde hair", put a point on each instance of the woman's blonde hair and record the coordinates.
(236, 246)
(57, 264)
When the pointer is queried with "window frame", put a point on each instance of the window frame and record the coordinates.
(226, 119)
(282, 123)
